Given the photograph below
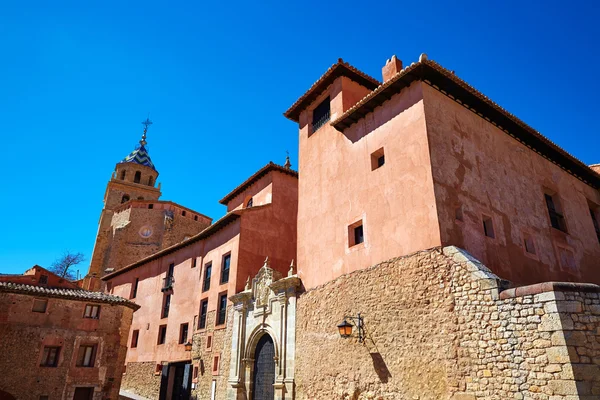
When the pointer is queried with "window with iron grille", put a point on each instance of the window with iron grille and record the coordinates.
(86, 356)
(225, 268)
(43, 279)
(50, 356)
(203, 312)
(321, 114)
(557, 220)
(162, 334)
(222, 309)
(595, 222)
(92, 311)
(207, 273)
(166, 306)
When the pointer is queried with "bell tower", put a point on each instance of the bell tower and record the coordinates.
(134, 178)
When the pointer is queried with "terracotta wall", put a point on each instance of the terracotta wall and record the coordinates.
(260, 191)
(24, 334)
(338, 187)
(485, 171)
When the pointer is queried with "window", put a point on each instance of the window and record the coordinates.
(135, 288)
(150, 206)
(91, 311)
(162, 334)
(209, 341)
(150, 181)
(86, 356)
(135, 335)
(225, 268)
(567, 259)
(207, 272)
(458, 213)
(123, 173)
(222, 309)
(183, 213)
(194, 261)
(488, 227)
(377, 159)
(355, 234)
(39, 305)
(529, 244)
(195, 218)
(137, 177)
(125, 198)
(595, 222)
(166, 305)
(43, 280)
(557, 220)
(195, 375)
(140, 198)
(249, 203)
(321, 114)
(215, 364)
(183, 333)
(50, 356)
(168, 280)
(158, 369)
(203, 312)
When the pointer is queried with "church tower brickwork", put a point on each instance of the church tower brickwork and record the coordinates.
(134, 223)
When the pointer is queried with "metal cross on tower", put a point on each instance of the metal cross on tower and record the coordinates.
(146, 124)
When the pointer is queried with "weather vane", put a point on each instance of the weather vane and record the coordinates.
(146, 124)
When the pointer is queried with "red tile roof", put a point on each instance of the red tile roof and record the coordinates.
(338, 69)
(452, 86)
(271, 166)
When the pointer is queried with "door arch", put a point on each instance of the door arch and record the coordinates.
(264, 369)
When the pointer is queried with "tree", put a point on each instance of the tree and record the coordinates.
(61, 266)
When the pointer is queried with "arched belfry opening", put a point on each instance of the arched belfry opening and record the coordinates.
(262, 348)
(137, 177)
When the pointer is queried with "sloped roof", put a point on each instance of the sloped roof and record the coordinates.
(338, 69)
(271, 166)
(139, 156)
(69, 294)
(458, 90)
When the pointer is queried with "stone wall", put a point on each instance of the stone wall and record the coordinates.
(140, 379)
(438, 328)
(24, 334)
(203, 357)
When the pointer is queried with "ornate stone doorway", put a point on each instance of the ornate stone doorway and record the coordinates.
(264, 369)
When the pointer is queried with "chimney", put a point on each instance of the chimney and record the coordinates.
(391, 67)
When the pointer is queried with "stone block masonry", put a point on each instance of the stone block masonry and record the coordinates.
(439, 326)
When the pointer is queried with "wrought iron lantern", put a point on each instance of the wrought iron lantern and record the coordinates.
(346, 326)
(188, 346)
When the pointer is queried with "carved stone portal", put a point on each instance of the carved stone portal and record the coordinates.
(266, 308)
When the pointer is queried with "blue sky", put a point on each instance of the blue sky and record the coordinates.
(77, 79)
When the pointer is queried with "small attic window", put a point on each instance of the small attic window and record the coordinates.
(321, 114)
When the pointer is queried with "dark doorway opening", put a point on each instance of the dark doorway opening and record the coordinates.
(176, 380)
(83, 393)
(264, 370)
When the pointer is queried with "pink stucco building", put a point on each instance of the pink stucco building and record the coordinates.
(421, 160)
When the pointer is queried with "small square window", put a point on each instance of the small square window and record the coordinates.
(92, 311)
(567, 259)
(377, 159)
(39, 305)
(150, 206)
(356, 234)
(183, 333)
(488, 227)
(162, 334)
(43, 279)
(134, 338)
(50, 356)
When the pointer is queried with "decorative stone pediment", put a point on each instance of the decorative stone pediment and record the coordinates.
(261, 284)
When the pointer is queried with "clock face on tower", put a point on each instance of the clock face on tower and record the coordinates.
(145, 231)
